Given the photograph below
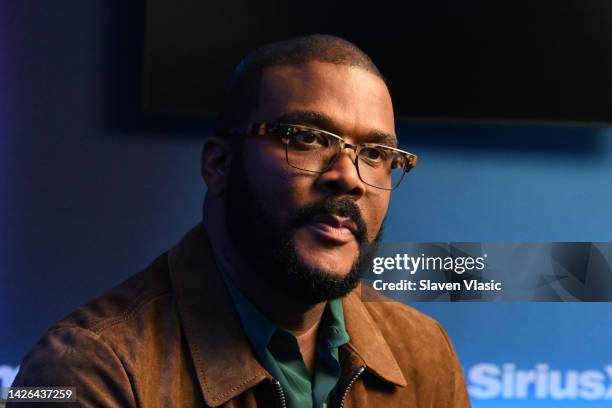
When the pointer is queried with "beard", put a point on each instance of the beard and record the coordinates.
(270, 249)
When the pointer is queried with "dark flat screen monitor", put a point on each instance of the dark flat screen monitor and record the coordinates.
(521, 60)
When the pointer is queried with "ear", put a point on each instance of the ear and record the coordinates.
(216, 160)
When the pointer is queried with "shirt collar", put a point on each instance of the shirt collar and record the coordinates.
(259, 329)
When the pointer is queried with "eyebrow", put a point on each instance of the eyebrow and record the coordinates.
(322, 121)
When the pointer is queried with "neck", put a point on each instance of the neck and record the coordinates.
(287, 312)
(302, 320)
(284, 310)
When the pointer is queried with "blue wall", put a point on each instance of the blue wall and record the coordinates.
(506, 183)
(85, 202)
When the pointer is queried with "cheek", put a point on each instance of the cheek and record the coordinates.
(270, 178)
(374, 211)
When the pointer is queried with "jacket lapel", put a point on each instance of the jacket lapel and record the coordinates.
(224, 362)
(367, 342)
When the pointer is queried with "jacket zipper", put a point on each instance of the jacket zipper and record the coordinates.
(280, 393)
(283, 401)
(348, 386)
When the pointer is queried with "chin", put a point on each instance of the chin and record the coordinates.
(334, 261)
(334, 269)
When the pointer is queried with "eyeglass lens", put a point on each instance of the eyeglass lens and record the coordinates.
(315, 151)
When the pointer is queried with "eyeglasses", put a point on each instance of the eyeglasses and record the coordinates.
(315, 150)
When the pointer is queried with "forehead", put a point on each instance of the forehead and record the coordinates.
(354, 102)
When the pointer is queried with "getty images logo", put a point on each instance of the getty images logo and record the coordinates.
(488, 381)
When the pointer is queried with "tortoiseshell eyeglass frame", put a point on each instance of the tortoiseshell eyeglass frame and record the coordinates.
(405, 159)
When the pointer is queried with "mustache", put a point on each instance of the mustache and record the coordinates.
(341, 208)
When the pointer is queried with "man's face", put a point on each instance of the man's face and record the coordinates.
(309, 224)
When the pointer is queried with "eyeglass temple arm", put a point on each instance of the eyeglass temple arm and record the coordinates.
(258, 129)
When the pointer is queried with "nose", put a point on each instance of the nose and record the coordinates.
(342, 177)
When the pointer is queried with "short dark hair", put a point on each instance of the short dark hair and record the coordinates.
(243, 90)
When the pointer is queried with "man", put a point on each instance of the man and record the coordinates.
(260, 305)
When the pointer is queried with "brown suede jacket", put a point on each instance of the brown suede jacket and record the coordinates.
(170, 337)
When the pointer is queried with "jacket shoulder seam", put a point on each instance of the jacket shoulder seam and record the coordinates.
(140, 302)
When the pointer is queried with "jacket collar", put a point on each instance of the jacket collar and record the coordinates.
(224, 362)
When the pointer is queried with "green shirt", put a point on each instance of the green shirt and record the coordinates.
(278, 352)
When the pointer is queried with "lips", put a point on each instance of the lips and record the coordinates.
(335, 222)
(332, 229)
